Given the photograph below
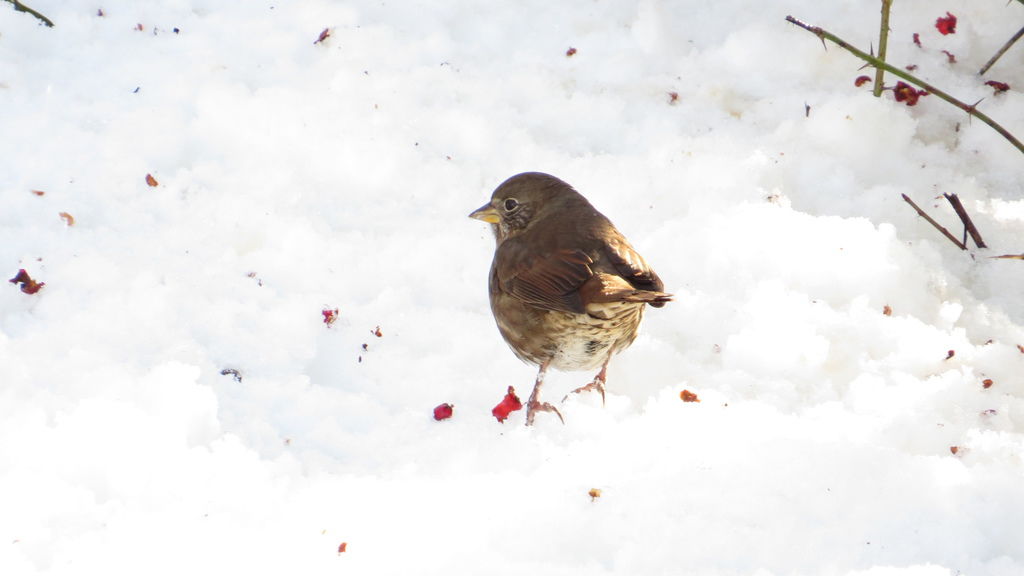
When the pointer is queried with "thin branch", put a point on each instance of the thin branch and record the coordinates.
(883, 42)
(18, 6)
(969, 228)
(1002, 50)
(931, 221)
(971, 109)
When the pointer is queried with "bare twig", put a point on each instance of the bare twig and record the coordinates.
(931, 221)
(1002, 51)
(969, 228)
(883, 42)
(971, 109)
(18, 6)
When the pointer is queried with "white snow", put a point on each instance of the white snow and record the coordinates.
(296, 177)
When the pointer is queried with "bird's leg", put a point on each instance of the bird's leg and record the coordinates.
(533, 404)
(598, 382)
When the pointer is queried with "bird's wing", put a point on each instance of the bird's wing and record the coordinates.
(550, 281)
(628, 263)
(631, 266)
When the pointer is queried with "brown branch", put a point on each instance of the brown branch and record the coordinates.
(883, 41)
(966, 219)
(971, 109)
(19, 7)
(1001, 51)
(931, 221)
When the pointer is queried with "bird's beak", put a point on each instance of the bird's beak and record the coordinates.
(487, 213)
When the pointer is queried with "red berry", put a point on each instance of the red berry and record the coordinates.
(330, 316)
(946, 25)
(443, 412)
(510, 403)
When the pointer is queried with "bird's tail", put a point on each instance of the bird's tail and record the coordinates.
(609, 288)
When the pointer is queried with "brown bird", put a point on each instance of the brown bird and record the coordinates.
(567, 290)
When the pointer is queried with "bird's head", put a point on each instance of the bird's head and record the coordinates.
(523, 200)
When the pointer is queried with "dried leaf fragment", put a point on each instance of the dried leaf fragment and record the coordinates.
(28, 285)
(998, 86)
(673, 97)
(324, 35)
(687, 396)
(233, 373)
(67, 218)
(151, 181)
(443, 412)
(376, 332)
(986, 383)
(39, 192)
(570, 52)
(342, 547)
(510, 403)
(887, 310)
(954, 449)
(594, 494)
(907, 94)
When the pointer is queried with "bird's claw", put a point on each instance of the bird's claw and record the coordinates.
(533, 407)
(597, 384)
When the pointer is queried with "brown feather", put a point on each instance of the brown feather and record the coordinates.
(631, 266)
(551, 281)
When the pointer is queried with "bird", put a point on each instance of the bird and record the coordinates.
(567, 290)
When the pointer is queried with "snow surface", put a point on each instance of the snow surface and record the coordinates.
(297, 176)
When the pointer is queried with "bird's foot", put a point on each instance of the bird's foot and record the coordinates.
(597, 384)
(533, 406)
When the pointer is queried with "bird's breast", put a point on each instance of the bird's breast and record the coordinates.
(570, 341)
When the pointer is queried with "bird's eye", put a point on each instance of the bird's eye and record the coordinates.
(511, 204)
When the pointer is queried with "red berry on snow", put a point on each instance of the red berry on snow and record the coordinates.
(443, 412)
(330, 316)
(946, 25)
(510, 403)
